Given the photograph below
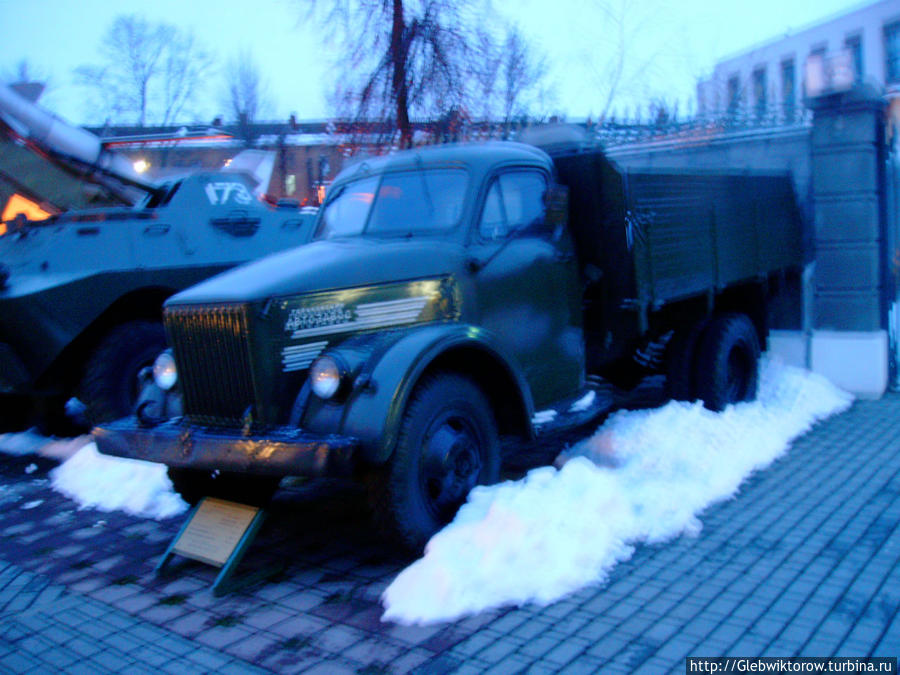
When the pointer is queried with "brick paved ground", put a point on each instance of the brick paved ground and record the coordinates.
(804, 561)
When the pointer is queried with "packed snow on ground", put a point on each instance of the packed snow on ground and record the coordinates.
(645, 476)
(115, 484)
(99, 481)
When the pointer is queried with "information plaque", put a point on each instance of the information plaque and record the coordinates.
(218, 533)
(214, 531)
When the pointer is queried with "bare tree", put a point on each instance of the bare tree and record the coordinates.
(148, 70)
(245, 94)
(401, 58)
(522, 72)
(185, 66)
(484, 72)
(626, 70)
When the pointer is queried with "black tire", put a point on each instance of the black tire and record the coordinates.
(193, 485)
(447, 444)
(109, 387)
(16, 413)
(52, 419)
(681, 362)
(728, 362)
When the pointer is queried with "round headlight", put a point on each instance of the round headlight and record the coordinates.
(325, 377)
(164, 372)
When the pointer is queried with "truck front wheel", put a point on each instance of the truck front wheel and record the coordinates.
(448, 444)
(728, 362)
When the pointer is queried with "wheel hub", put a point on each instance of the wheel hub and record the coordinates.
(451, 465)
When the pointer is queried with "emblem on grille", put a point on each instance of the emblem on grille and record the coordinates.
(307, 322)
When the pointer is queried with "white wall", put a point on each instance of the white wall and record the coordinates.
(868, 22)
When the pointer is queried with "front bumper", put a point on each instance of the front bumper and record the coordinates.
(281, 451)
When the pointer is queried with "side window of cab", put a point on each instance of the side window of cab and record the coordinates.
(514, 204)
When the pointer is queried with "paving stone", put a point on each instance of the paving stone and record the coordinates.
(113, 661)
(374, 650)
(153, 655)
(302, 624)
(206, 658)
(539, 647)
(411, 661)
(511, 665)
(88, 668)
(266, 617)
(336, 639)
(475, 644)
(188, 624)
(413, 635)
(567, 651)
(220, 637)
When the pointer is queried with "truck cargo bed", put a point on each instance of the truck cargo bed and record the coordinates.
(647, 239)
(696, 233)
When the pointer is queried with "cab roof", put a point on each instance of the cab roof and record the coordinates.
(475, 156)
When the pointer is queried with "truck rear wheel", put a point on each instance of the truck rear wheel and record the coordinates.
(109, 387)
(728, 362)
(193, 485)
(681, 362)
(448, 444)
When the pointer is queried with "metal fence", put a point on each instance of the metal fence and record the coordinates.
(612, 134)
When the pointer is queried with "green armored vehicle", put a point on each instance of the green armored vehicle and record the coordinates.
(453, 297)
(81, 293)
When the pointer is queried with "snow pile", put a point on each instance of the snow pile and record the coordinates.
(114, 484)
(22, 443)
(653, 472)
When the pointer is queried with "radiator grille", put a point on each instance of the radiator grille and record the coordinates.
(213, 359)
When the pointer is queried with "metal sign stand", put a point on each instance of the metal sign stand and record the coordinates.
(218, 533)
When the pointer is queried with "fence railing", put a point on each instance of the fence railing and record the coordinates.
(612, 133)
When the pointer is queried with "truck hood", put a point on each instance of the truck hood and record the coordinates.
(325, 265)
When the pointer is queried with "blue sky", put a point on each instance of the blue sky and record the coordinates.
(669, 44)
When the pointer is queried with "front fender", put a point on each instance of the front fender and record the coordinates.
(373, 411)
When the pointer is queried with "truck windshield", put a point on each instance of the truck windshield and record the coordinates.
(403, 202)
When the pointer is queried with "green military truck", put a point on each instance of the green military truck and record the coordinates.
(455, 297)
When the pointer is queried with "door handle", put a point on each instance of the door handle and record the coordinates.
(156, 230)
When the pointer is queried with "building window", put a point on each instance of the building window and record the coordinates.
(759, 91)
(815, 80)
(788, 87)
(853, 44)
(892, 53)
(734, 94)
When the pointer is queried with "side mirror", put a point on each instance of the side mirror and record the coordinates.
(557, 201)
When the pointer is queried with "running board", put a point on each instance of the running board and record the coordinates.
(594, 400)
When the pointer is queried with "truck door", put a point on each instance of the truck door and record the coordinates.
(528, 290)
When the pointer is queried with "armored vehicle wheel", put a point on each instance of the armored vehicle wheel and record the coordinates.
(51, 417)
(193, 485)
(109, 386)
(681, 358)
(448, 444)
(15, 412)
(728, 362)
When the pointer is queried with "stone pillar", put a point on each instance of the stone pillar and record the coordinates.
(849, 342)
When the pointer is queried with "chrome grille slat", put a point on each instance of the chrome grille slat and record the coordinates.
(213, 359)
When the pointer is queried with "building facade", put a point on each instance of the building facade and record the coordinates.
(770, 79)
